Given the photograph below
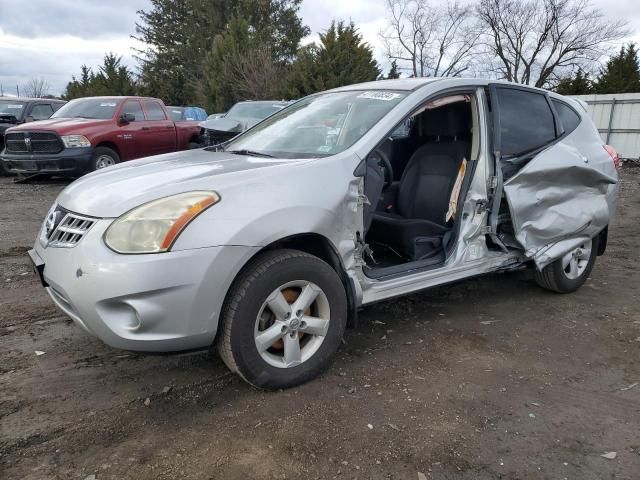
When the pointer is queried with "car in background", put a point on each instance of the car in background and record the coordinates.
(187, 114)
(18, 110)
(240, 117)
(91, 133)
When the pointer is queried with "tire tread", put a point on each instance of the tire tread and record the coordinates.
(247, 276)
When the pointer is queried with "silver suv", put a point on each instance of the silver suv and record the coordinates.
(266, 249)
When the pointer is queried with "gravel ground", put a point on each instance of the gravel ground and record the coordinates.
(489, 378)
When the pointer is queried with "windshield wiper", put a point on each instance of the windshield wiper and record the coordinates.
(252, 153)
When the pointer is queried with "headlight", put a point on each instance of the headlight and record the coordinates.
(75, 141)
(154, 226)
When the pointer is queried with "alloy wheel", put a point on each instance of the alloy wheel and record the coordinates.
(104, 161)
(292, 324)
(575, 262)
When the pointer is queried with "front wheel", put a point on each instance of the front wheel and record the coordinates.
(283, 319)
(103, 157)
(570, 271)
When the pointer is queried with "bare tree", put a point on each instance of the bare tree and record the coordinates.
(35, 88)
(537, 41)
(430, 41)
(255, 75)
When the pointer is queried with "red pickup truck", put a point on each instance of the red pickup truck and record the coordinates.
(95, 132)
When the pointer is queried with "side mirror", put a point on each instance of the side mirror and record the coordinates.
(127, 118)
(28, 119)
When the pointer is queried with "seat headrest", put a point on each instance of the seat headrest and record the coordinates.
(446, 122)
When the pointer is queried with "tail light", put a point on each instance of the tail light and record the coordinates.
(614, 156)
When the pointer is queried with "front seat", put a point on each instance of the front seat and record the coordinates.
(415, 228)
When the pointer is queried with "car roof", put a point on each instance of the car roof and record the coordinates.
(262, 102)
(408, 84)
(412, 84)
(119, 98)
(29, 99)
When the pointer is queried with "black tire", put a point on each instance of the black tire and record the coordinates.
(3, 171)
(98, 155)
(554, 278)
(236, 343)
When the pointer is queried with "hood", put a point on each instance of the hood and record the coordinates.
(62, 125)
(4, 126)
(115, 190)
(8, 120)
(223, 124)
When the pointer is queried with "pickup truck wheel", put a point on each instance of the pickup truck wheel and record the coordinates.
(3, 171)
(570, 271)
(103, 157)
(283, 319)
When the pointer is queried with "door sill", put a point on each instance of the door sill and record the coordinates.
(395, 271)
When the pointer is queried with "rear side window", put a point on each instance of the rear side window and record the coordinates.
(568, 116)
(154, 110)
(526, 121)
(41, 111)
(133, 107)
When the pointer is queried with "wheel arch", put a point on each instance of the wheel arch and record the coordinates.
(319, 246)
(111, 145)
(603, 236)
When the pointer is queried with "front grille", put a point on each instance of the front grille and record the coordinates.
(215, 137)
(15, 143)
(33, 142)
(63, 229)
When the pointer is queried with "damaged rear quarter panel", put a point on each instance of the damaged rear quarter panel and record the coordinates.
(559, 200)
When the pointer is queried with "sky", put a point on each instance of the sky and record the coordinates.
(51, 39)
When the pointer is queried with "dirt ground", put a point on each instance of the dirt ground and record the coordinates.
(490, 378)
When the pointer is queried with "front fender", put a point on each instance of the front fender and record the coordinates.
(320, 197)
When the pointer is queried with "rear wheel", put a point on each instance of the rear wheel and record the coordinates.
(569, 272)
(283, 319)
(103, 157)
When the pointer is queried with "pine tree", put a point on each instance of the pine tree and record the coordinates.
(249, 58)
(113, 78)
(341, 58)
(182, 33)
(178, 33)
(621, 73)
(393, 71)
(578, 85)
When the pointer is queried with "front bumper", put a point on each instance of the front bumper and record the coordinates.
(156, 302)
(69, 162)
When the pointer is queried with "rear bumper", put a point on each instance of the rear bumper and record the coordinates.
(69, 162)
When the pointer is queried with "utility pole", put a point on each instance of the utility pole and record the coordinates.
(17, 89)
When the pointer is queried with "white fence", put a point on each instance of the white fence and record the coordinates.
(617, 117)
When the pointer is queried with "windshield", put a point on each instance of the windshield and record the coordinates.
(253, 110)
(8, 107)
(97, 108)
(319, 125)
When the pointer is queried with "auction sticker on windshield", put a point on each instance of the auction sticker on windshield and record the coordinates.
(378, 95)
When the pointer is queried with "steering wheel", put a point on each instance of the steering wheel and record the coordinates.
(386, 166)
